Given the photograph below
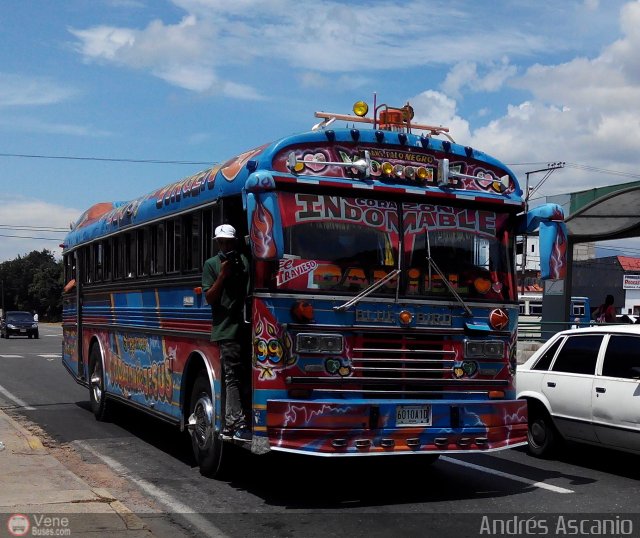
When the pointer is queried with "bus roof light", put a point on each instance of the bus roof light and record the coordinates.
(380, 137)
(402, 138)
(360, 108)
(355, 135)
(424, 140)
(331, 135)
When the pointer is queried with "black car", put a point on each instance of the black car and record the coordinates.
(20, 323)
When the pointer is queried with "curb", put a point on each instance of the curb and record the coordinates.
(34, 444)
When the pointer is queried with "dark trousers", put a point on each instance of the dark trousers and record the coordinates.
(231, 356)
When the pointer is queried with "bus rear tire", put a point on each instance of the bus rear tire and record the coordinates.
(97, 394)
(208, 447)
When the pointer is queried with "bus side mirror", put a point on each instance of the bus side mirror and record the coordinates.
(548, 219)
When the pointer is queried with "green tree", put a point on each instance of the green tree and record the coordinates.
(34, 282)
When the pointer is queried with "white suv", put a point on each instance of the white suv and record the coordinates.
(584, 385)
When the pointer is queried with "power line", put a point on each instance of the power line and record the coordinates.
(33, 228)
(31, 237)
(585, 167)
(106, 159)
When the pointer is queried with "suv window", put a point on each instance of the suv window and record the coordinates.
(544, 361)
(578, 355)
(623, 353)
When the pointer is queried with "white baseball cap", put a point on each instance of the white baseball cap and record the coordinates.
(225, 231)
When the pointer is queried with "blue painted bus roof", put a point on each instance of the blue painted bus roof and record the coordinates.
(202, 188)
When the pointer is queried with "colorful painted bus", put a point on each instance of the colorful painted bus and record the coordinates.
(383, 304)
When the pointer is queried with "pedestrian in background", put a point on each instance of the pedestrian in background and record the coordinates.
(606, 312)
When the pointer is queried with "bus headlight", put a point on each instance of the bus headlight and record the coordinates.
(319, 343)
(489, 349)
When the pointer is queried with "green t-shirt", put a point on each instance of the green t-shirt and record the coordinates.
(227, 315)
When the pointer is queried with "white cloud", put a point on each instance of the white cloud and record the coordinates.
(579, 112)
(208, 44)
(22, 90)
(20, 212)
(437, 109)
(34, 125)
(464, 75)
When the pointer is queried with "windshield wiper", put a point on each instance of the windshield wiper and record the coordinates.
(453, 291)
(366, 292)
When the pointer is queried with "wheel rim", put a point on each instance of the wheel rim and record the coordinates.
(201, 422)
(539, 433)
(96, 382)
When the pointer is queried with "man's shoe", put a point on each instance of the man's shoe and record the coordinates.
(227, 433)
(242, 434)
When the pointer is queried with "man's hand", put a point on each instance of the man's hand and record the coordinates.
(225, 269)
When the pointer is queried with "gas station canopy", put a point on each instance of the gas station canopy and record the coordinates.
(611, 212)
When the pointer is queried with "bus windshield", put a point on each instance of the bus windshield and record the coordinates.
(335, 243)
(471, 248)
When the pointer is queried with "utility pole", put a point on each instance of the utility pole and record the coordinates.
(551, 167)
(2, 282)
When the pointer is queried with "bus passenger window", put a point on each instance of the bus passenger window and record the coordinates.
(144, 247)
(130, 255)
(211, 218)
(174, 245)
(118, 257)
(98, 261)
(192, 242)
(157, 249)
(107, 247)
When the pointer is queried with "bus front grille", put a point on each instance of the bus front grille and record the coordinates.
(399, 366)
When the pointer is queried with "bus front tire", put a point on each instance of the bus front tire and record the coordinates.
(97, 394)
(207, 445)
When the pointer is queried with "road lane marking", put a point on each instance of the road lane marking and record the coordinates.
(51, 356)
(508, 476)
(16, 400)
(201, 523)
(12, 356)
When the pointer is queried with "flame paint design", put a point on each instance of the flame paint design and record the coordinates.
(264, 247)
(558, 260)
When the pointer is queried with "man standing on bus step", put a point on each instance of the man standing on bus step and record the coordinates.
(225, 280)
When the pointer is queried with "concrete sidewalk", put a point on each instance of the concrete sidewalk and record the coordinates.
(35, 486)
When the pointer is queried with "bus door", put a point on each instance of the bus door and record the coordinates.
(72, 315)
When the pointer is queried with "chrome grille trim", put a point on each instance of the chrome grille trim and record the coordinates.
(402, 361)
(404, 351)
(406, 392)
(400, 381)
(413, 370)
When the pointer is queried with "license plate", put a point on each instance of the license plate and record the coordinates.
(413, 415)
(23, 330)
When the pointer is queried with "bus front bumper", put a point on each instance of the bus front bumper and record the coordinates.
(352, 428)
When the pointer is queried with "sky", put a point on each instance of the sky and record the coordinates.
(91, 89)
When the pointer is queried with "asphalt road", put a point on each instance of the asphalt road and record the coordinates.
(283, 495)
